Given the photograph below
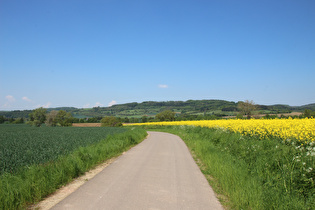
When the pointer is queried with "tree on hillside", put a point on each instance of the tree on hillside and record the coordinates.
(60, 117)
(19, 120)
(38, 117)
(64, 118)
(308, 113)
(2, 119)
(247, 108)
(110, 121)
(166, 115)
(51, 118)
(144, 119)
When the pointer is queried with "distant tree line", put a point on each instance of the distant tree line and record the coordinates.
(63, 118)
(166, 111)
(4, 119)
(194, 108)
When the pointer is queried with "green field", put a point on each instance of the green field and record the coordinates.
(34, 162)
(22, 145)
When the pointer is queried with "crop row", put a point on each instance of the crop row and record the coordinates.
(22, 145)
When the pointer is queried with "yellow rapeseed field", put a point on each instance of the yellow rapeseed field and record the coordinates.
(302, 130)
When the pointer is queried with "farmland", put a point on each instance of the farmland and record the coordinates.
(301, 130)
(34, 162)
(22, 145)
(253, 164)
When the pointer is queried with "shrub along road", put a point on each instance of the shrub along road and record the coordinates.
(159, 173)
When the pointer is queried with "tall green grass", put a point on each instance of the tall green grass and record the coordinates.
(34, 182)
(252, 173)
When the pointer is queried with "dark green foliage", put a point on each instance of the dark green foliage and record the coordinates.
(229, 109)
(64, 118)
(166, 115)
(38, 117)
(51, 118)
(18, 121)
(61, 118)
(144, 119)
(308, 113)
(239, 116)
(111, 122)
(272, 116)
(93, 119)
(308, 106)
(2, 119)
(16, 113)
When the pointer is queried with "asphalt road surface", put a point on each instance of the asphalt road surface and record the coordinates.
(159, 173)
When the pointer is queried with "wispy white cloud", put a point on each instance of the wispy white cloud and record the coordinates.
(47, 105)
(26, 99)
(98, 104)
(163, 86)
(113, 102)
(10, 98)
(6, 105)
(86, 106)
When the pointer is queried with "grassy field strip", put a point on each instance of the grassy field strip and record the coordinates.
(252, 173)
(32, 182)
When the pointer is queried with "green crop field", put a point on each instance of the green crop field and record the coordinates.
(22, 145)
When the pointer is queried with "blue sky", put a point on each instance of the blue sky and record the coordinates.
(100, 52)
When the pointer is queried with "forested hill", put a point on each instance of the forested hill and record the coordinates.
(151, 108)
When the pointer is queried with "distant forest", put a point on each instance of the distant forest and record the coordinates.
(146, 111)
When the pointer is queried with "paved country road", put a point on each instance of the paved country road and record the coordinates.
(158, 173)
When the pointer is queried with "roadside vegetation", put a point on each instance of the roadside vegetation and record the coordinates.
(252, 171)
(37, 161)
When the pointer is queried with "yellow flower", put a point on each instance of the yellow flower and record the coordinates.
(299, 129)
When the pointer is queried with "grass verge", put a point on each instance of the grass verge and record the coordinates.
(251, 173)
(28, 186)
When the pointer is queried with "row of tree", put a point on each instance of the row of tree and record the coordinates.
(40, 116)
(12, 120)
(62, 118)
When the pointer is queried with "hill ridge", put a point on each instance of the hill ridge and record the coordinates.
(151, 108)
